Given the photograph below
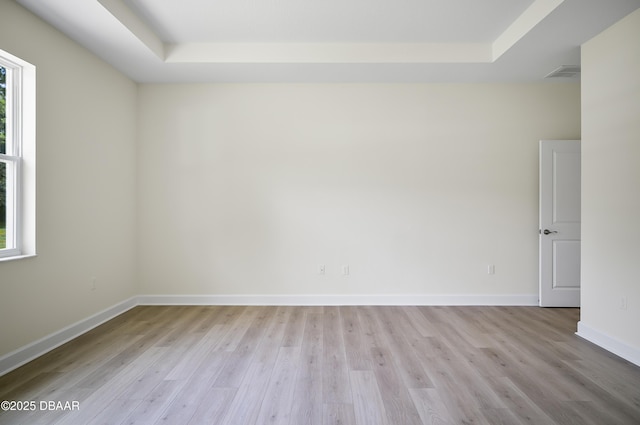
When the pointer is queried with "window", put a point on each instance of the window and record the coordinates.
(17, 157)
(3, 150)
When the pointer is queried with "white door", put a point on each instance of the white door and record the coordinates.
(559, 223)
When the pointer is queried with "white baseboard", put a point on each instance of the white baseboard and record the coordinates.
(333, 300)
(25, 354)
(613, 345)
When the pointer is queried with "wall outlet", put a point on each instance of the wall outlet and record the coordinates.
(491, 269)
(94, 283)
(345, 270)
(321, 269)
(623, 303)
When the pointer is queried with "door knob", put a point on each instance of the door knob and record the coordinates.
(548, 232)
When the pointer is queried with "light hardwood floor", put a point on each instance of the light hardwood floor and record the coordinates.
(330, 365)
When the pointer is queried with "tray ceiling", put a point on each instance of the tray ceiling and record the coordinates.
(334, 40)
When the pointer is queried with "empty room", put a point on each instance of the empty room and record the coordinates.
(339, 212)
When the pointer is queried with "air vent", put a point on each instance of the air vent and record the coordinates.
(566, 71)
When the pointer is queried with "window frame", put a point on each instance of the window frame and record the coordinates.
(20, 157)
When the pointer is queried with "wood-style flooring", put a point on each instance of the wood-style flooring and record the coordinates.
(235, 365)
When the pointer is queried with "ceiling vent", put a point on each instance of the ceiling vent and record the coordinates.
(566, 71)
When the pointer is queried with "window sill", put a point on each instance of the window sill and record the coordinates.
(17, 257)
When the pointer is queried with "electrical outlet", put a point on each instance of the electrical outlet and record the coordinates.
(623, 303)
(491, 269)
(345, 270)
(94, 283)
(321, 269)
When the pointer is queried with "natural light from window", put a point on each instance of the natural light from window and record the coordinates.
(17, 157)
(3, 165)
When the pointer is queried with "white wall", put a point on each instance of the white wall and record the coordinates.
(245, 189)
(611, 185)
(86, 128)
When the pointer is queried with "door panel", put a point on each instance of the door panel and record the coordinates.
(566, 179)
(566, 264)
(560, 223)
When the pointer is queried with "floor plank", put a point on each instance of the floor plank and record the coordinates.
(338, 414)
(308, 388)
(396, 398)
(367, 401)
(277, 403)
(335, 376)
(430, 407)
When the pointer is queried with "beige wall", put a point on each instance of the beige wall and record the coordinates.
(611, 182)
(245, 189)
(86, 114)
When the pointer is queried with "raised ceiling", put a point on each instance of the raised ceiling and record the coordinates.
(295, 21)
(334, 40)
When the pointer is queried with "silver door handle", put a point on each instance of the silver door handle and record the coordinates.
(548, 232)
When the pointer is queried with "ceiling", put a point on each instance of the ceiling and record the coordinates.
(334, 40)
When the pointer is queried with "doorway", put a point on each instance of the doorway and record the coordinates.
(559, 226)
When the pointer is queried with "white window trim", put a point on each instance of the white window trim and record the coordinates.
(21, 86)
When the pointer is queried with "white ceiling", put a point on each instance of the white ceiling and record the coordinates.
(333, 40)
(337, 21)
